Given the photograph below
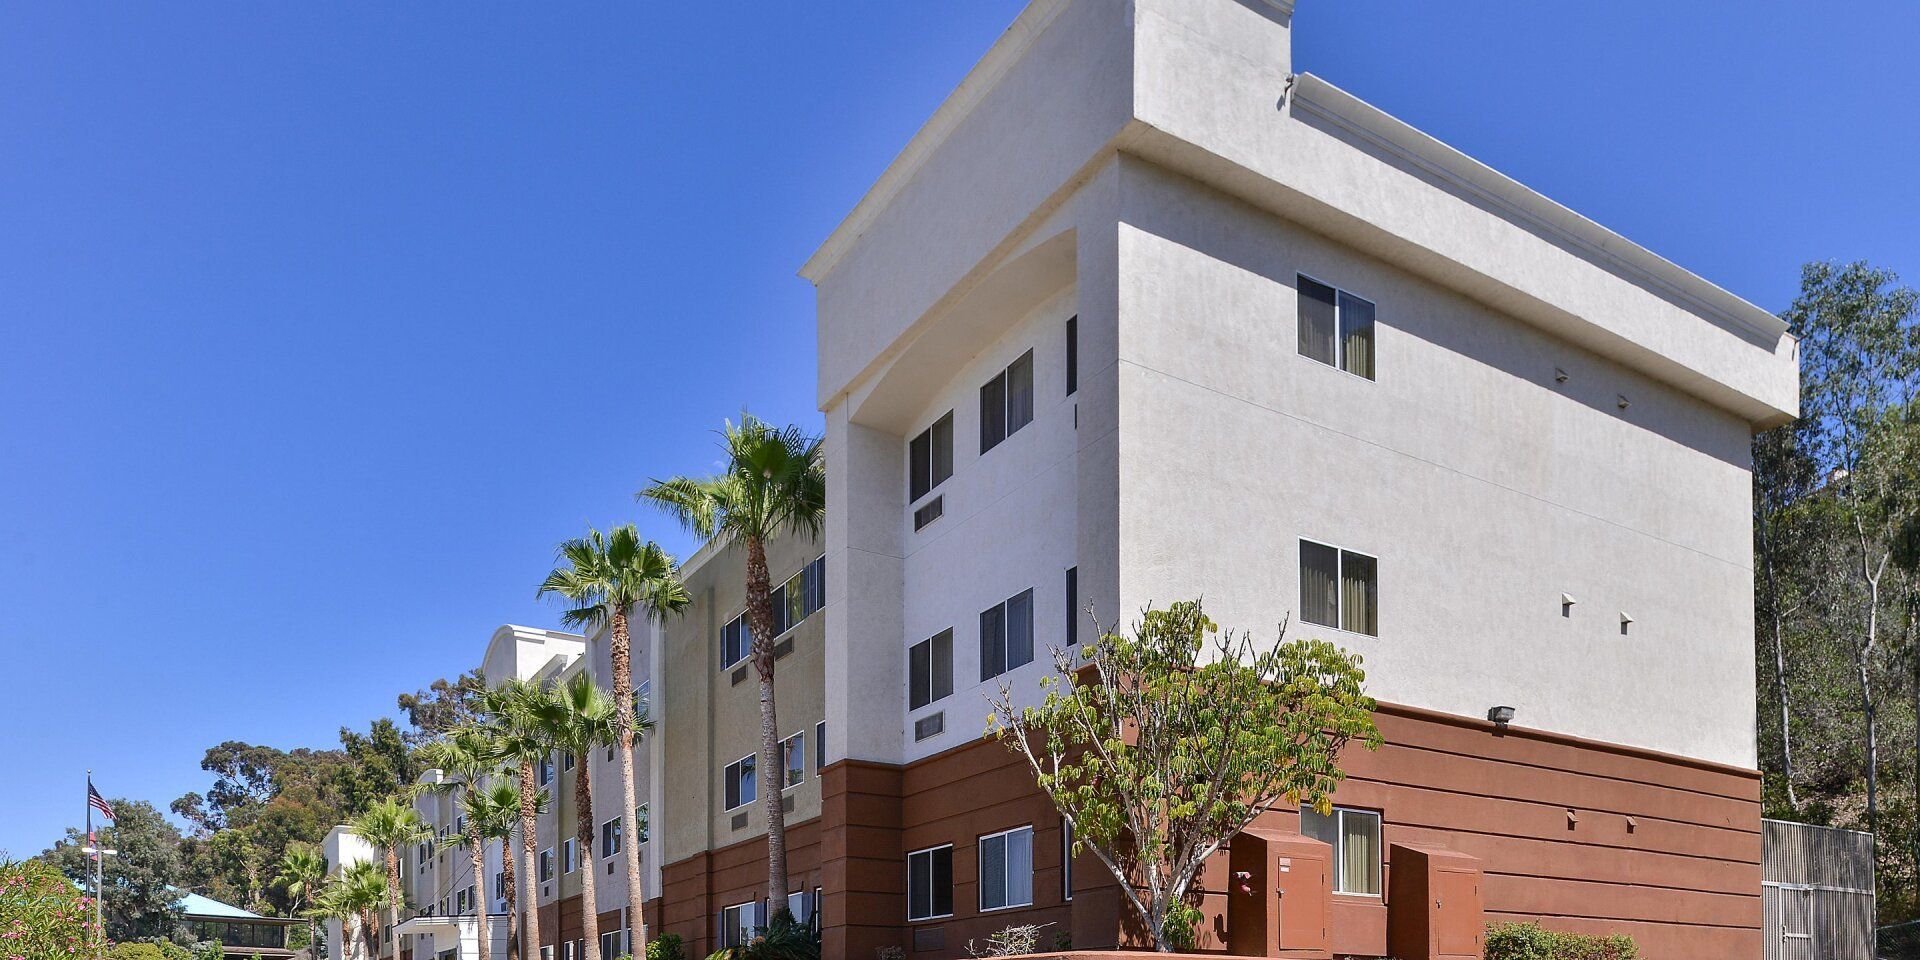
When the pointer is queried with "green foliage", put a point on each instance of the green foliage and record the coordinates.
(150, 950)
(773, 482)
(784, 939)
(616, 571)
(1836, 512)
(42, 916)
(667, 946)
(1170, 741)
(1181, 927)
(443, 705)
(1529, 941)
(139, 878)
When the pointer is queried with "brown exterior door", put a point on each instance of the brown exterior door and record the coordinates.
(1457, 915)
(1303, 904)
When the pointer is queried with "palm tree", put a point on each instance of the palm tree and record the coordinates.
(605, 577)
(514, 723)
(580, 716)
(302, 872)
(390, 826)
(772, 482)
(354, 898)
(467, 759)
(493, 813)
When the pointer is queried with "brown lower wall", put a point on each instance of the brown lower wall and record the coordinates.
(562, 921)
(1577, 835)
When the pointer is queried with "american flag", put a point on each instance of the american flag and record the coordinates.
(98, 802)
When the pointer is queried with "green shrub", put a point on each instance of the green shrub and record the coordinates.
(42, 916)
(784, 939)
(666, 946)
(1530, 941)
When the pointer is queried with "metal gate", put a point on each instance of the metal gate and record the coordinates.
(1816, 892)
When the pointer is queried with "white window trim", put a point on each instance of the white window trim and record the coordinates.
(980, 861)
(1339, 343)
(752, 927)
(910, 855)
(1066, 859)
(623, 839)
(755, 757)
(569, 855)
(747, 633)
(548, 853)
(1339, 568)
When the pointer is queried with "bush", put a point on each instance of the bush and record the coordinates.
(42, 916)
(1010, 942)
(666, 946)
(784, 939)
(1530, 941)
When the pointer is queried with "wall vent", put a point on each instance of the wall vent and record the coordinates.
(739, 821)
(929, 938)
(786, 804)
(934, 510)
(783, 648)
(739, 676)
(931, 725)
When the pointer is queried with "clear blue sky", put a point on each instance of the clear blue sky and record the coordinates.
(320, 325)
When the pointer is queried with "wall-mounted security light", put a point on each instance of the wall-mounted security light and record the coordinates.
(1559, 375)
(1566, 604)
(1626, 620)
(1621, 401)
(1501, 715)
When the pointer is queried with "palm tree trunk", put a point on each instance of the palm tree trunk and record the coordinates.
(477, 849)
(620, 651)
(529, 843)
(583, 835)
(508, 883)
(772, 773)
(393, 894)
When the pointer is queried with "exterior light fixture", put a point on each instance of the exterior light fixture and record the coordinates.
(1501, 715)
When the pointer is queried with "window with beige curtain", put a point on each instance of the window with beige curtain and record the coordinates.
(1339, 588)
(1334, 326)
(1354, 836)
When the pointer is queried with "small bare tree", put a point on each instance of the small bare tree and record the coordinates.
(1159, 747)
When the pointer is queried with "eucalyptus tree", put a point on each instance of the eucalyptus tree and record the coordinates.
(605, 578)
(580, 716)
(1860, 380)
(515, 725)
(391, 826)
(301, 873)
(772, 481)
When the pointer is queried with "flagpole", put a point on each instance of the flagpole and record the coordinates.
(99, 915)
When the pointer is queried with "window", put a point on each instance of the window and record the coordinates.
(930, 458)
(800, 597)
(930, 883)
(1006, 635)
(1336, 327)
(734, 642)
(546, 952)
(500, 885)
(546, 770)
(740, 782)
(1066, 858)
(460, 901)
(566, 950)
(610, 944)
(1354, 836)
(793, 755)
(738, 923)
(1073, 355)
(568, 855)
(1339, 588)
(1006, 869)
(800, 904)
(642, 829)
(1073, 606)
(1006, 402)
(610, 838)
(819, 746)
(546, 865)
(567, 764)
(930, 670)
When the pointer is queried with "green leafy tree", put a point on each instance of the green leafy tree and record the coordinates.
(443, 706)
(514, 713)
(605, 578)
(772, 482)
(379, 764)
(580, 716)
(140, 878)
(301, 873)
(1158, 747)
(43, 916)
(391, 826)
